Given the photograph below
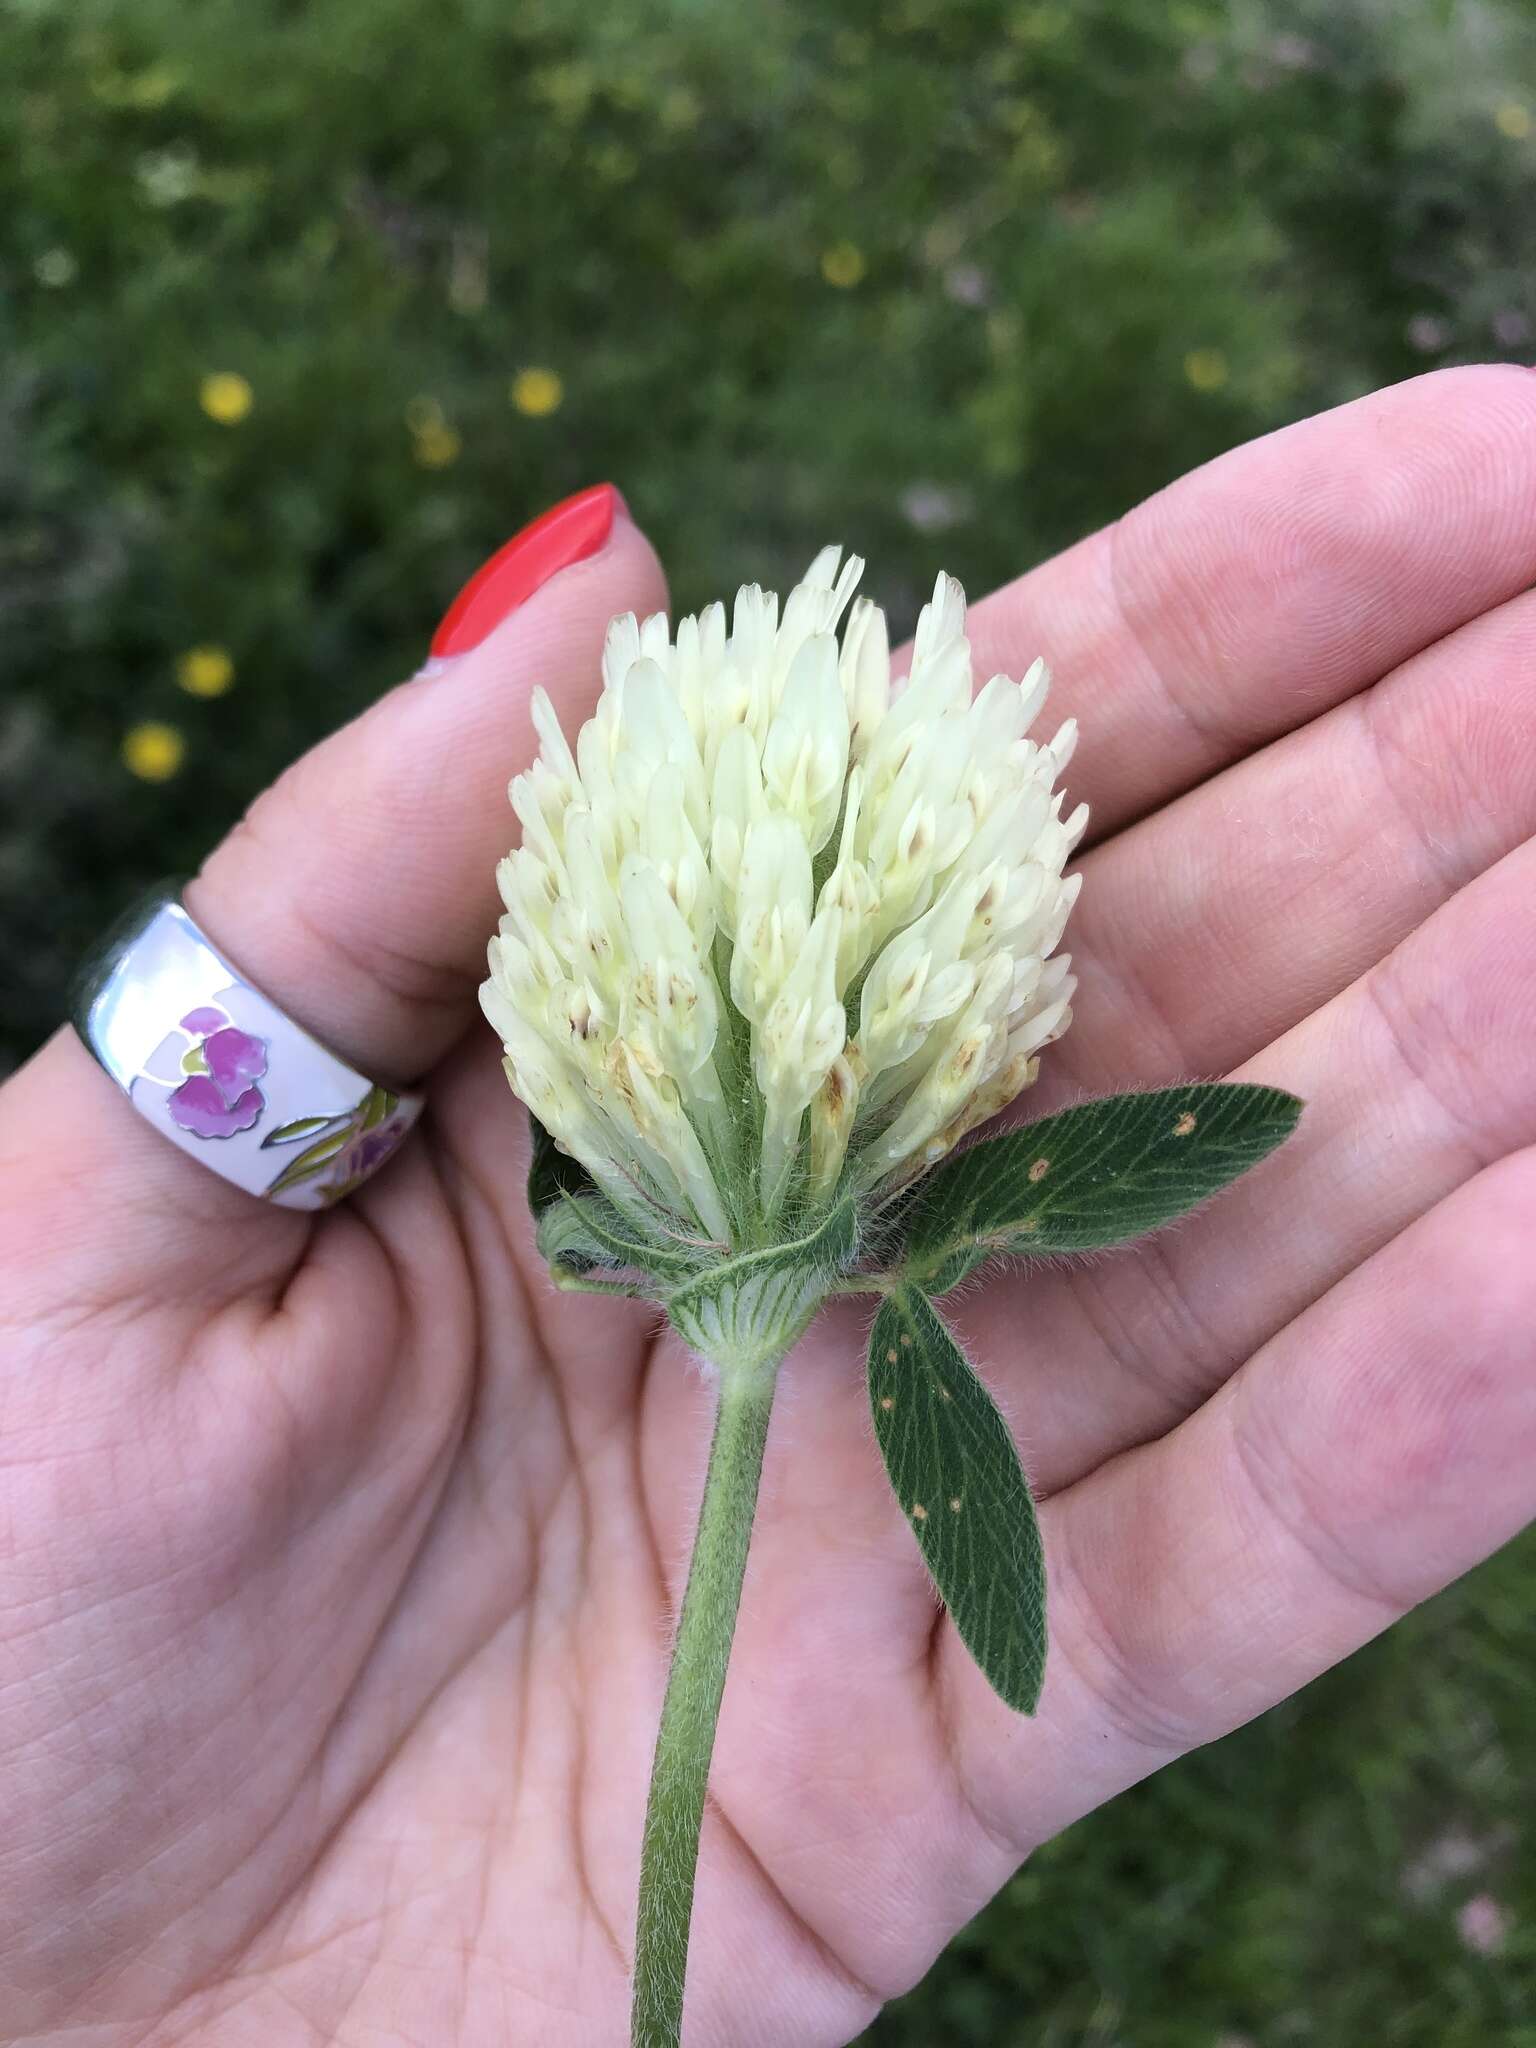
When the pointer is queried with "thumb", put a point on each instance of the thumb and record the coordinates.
(357, 894)
(359, 891)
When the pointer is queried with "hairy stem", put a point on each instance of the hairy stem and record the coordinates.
(691, 1708)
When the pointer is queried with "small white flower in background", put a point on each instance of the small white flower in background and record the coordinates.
(1483, 1924)
(56, 268)
(1427, 334)
(968, 285)
(780, 928)
(934, 508)
(166, 177)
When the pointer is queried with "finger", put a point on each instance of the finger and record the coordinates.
(1376, 1449)
(358, 895)
(360, 890)
(1415, 1078)
(1206, 931)
(1276, 581)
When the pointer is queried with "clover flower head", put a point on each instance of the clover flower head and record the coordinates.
(780, 927)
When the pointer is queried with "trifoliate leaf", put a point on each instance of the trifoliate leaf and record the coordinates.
(955, 1471)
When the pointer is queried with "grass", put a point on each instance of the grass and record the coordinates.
(949, 279)
(1321, 1877)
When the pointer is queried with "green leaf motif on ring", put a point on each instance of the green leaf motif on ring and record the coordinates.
(377, 1105)
(301, 1127)
(313, 1160)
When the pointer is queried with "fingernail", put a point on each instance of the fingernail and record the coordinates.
(568, 532)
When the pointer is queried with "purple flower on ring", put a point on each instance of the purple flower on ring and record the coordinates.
(222, 1099)
(362, 1156)
(373, 1149)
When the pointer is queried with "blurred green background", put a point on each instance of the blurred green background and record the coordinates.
(303, 309)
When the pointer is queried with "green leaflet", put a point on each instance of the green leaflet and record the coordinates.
(1094, 1175)
(565, 1242)
(753, 1306)
(586, 1231)
(577, 1229)
(955, 1471)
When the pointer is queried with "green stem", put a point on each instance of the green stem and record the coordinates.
(680, 1773)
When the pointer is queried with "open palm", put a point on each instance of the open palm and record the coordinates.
(337, 1558)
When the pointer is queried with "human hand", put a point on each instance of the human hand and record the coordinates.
(339, 1554)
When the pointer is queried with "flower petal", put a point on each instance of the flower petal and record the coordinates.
(198, 1106)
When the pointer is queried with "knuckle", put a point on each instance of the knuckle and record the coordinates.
(1133, 1676)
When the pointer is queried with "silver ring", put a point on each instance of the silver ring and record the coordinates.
(223, 1073)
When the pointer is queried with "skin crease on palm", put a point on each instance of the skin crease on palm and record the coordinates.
(337, 1558)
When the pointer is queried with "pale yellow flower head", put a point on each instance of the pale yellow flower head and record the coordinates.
(780, 927)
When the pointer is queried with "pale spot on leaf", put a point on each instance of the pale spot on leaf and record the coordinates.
(1039, 1170)
(954, 1506)
(891, 1355)
(887, 1401)
(1185, 1124)
(919, 1512)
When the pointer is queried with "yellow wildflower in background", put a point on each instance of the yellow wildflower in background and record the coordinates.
(1513, 119)
(438, 446)
(843, 265)
(436, 443)
(205, 671)
(1205, 369)
(226, 396)
(153, 750)
(537, 392)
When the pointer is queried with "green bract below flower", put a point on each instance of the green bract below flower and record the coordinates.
(780, 928)
(780, 934)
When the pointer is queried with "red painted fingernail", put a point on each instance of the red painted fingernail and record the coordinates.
(568, 532)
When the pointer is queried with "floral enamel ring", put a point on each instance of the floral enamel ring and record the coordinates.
(223, 1073)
